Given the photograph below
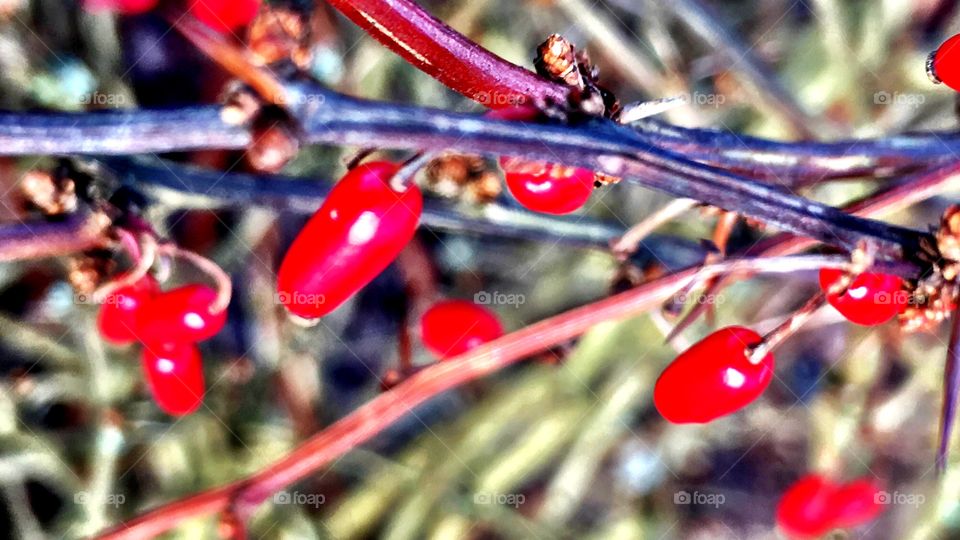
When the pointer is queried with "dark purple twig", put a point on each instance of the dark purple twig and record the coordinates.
(951, 391)
(183, 186)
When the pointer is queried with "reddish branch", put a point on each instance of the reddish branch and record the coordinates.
(242, 497)
(448, 56)
(82, 231)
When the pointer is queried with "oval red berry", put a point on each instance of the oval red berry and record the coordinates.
(713, 378)
(357, 232)
(174, 374)
(814, 505)
(453, 327)
(871, 298)
(547, 187)
(117, 320)
(946, 62)
(182, 314)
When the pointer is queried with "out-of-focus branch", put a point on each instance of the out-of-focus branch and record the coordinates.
(79, 232)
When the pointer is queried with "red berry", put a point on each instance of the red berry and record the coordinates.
(805, 508)
(946, 62)
(815, 505)
(453, 327)
(182, 314)
(858, 502)
(175, 375)
(539, 186)
(870, 299)
(224, 15)
(117, 319)
(713, 378)
(127, 7)
(357, 232)
(547, 187)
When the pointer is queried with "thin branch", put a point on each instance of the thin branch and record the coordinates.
(244, 495)
(79, 232)
(899, 196)
(705, 21)
(951, 391)
(448, 56)
(118, 132)
(804, 163)
(182, 186)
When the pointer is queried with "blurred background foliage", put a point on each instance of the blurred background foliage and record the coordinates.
(565, 445)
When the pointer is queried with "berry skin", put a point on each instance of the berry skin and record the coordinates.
(452, 327)
(175, 376)
(182, 314)
(946, 63)
(126, 7)
(871, 298)
(713, 378)
(357, 232)
(547, 187)
(117, 320)
(224, 16)
(815, 505)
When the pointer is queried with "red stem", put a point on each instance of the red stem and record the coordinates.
(243, 496)
(448, 56)
(377, 414)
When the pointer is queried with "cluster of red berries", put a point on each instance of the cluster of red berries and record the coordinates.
(816, 505)
(221, 15)
(716, 376)
(168, 324)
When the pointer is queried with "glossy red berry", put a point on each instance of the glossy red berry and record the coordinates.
(224, 15)
(357, 232)
(805, 508)
(815, 505)
(713, 378)
(547, 187)
(453, 327)
(870, 299)
(117, 320)
(858, 502)
(174, 374)
(945, 64)
(127, 7)
(182, 314)
(539, 186)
